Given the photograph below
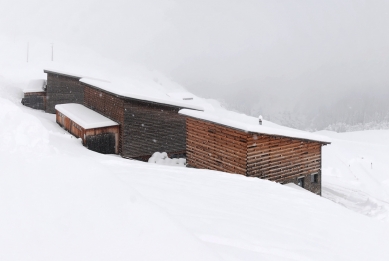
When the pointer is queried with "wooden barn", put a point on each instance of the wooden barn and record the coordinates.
(98, 133)
(236, 143)
(62, 88)
(146, 124)
(35, 95)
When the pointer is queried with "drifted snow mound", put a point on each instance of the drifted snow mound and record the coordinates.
(21, 132)
(161, 158)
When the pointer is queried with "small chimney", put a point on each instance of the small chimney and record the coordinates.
(260, 119)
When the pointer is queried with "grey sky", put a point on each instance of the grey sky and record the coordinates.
(275, 51)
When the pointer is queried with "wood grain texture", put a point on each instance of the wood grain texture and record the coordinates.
(280, 159)
(62, 89)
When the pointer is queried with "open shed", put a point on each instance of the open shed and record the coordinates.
(98, 133)
(236, 143)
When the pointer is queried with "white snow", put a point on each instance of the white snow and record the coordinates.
(63, 72)
(146, 95)
(355, 169)
(251, 124)
(162, 158)
(60, 201)
(83, 116)
(35, 86)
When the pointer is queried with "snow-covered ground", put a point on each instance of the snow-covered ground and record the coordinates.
(60, 201)
(356, 171)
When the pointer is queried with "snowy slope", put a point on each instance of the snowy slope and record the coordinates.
(59, 201)
(356, 171)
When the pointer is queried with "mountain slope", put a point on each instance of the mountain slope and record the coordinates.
(59, 201)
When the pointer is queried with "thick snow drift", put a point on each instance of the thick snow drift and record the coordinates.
(60, 201)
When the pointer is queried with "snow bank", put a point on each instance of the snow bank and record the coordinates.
(20, 132)
(355, 171)
(250, 124)
(83, 116)
(161, 158)
(69, 203)
(35, 86)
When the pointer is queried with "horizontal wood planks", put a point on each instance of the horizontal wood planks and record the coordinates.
(35, 100)
(61, 89)
(106, 104)
(281, 159)
(216, 147)
(150, 127)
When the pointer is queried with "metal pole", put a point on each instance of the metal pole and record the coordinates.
(28, 47)
(52, 52)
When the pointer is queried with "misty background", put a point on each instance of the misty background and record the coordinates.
(306, 64)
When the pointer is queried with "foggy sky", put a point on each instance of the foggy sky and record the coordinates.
(269, 54)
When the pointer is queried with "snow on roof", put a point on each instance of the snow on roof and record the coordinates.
(127, 89)
(250, 124)
(35, 86)
(83, 116)
(75, 75)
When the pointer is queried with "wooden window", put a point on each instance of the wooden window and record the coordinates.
(300, 182)
(315, 178)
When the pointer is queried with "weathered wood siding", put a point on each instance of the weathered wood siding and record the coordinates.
(80, 132)
(35, 100)
(61, 89)
(284, 159)
(212, 146)
(150, 127)
(217, 147)
(106, 104)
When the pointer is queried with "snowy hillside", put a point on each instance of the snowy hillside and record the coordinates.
(60, 201)
(355, 169)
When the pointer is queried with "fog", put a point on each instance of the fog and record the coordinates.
(306, 64)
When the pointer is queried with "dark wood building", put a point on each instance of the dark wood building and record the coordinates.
(35, 95)
(145, 125)
(62, 88)
(276, 154)
(97, 132)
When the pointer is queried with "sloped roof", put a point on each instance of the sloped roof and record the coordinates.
(251, 124)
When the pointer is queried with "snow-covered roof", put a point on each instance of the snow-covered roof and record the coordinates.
(86, 118)
(74, 75)
(35, 86)
(250, 124)
(143, 94)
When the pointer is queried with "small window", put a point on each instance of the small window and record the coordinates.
(300, 182)
(315, 178)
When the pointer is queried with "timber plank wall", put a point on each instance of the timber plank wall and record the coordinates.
(61, 89)
(150, 127)
(80, 132)
(145, 127)
(106, 104)
(35, 100)
(280, 159)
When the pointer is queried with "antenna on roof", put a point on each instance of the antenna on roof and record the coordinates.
(260, 119)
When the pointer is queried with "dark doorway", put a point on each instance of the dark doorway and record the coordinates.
(102, 143)
(300, 182)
